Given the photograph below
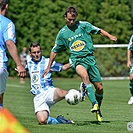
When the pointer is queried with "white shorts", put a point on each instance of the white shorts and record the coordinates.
(44, 100)
(3, 79)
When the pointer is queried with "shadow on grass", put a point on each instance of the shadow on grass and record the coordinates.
(77, 123)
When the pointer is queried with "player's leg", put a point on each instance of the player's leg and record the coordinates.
(95, 78)
(43, 103)
(81, 71)
(59, 94)
(3, 79)
(98, 92)
(131, 87)
(44, 118)
(42, 111)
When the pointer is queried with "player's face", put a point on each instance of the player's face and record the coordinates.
(70, 19)
(36, 53)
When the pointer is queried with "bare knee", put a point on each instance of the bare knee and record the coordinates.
(99, 87)
(42, 121)
(42, 117)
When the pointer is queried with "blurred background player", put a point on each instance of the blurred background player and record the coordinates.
(7, 39)
(130, 65)
(23, 58)
(75, 35)
(45, 94)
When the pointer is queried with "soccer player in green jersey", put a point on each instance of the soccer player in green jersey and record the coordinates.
(75, 35)
(130, 66)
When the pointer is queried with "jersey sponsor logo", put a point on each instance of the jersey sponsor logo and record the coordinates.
(74, 37)
(78, 45)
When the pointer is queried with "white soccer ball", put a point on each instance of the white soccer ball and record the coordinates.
(73, 97)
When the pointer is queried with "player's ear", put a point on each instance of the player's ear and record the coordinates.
(6, 6)
(65, 17)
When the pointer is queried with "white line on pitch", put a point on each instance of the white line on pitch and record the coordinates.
(17, 86)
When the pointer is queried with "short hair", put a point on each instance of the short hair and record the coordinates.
(34, 44)
(72, 10)
(3, 4)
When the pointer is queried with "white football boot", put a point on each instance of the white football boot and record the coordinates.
(82, 90)
(130, 102)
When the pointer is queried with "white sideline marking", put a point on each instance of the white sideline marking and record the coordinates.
(110, 45)
(17, 86)
(114, 78)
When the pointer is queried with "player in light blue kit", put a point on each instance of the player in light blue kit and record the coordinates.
(7, 39)
(130, 65)
(45, 94)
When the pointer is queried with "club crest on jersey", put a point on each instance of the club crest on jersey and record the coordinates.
(35, 78)
(78, 45)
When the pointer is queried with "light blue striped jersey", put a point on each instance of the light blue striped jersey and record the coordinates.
(7, 32)
(36, 70)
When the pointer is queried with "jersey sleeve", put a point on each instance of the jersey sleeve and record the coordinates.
(130, 45)
(56, 67)
(59, 43)
(91, 28)
(9, 32)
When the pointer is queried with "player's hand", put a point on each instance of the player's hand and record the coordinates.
(45, 72)
(21, 71)
(113, 38)
(129, 64)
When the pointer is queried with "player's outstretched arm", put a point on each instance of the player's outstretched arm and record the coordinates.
(129, 63)
(105, 33)
(51, 59)
(66, 66)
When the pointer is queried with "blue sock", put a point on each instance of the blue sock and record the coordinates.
(52, 120)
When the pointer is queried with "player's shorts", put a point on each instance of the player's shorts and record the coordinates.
(3, 78)
(44, 100)
(89, 63)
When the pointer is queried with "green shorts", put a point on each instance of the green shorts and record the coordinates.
(89, 63)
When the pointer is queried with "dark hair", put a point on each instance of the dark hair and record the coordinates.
(34, 44)
(3, 4)
(72, 10)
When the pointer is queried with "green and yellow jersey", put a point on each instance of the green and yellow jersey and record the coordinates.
(77, 39)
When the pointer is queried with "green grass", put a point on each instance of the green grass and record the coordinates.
(116, 112)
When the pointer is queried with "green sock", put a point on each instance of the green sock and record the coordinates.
(90, 93)
(99, 99)
(131, 87)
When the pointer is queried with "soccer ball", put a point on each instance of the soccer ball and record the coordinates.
(73, 97)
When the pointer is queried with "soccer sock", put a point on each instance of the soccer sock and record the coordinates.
(90, 93)
(99, 99)
(131, 87)
(52, 120)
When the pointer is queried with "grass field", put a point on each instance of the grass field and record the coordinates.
(116, 112)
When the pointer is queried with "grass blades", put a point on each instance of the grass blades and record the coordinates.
(115, 110)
